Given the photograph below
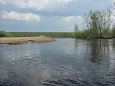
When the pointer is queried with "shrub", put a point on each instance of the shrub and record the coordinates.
(4, 34)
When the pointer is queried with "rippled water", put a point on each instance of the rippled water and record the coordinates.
(66, 62)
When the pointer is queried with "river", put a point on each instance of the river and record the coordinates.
(65, 62)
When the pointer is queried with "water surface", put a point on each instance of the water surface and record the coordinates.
(66, 62)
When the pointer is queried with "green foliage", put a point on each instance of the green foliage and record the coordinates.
(107, 33)
(86, 34)
(51, 34)
(4, 34)
(91, 34)
(99, 22)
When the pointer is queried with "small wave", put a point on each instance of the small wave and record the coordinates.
(70, 82)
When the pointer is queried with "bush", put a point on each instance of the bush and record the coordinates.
(4, 34)
(86, 34)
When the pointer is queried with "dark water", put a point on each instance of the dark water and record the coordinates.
(67, 62)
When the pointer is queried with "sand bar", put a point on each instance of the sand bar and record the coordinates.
(20, 40)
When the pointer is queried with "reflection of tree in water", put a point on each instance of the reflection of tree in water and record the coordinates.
(100, 54)
(113, 43)
(99, 50)
(76, 42)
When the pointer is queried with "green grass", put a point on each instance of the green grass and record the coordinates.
(5, 34)
(86, 34)
(93, 34)
(51, 34)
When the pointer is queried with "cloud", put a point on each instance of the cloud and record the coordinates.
(73, 18)
(2, 1)
(114, 1)
(70, 21)
(55, 15)
(39, 4)
(20, 16)
(65, 1)
(36, 4)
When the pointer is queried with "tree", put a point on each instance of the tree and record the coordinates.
(76, 28)
(113, 31)
(5, 34)
(98, 21)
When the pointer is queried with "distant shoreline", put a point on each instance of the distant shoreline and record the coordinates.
(21, 40)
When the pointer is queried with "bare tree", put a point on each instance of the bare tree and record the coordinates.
(113, 30)
(98, 21)
(76, 28)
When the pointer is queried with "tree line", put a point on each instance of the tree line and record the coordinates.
(37, 34)
(98, 25)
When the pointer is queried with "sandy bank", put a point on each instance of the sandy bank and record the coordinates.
(20, 40)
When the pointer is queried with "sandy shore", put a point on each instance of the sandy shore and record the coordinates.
(20, 40)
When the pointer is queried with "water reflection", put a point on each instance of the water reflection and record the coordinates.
(99, 50)
(67, 62)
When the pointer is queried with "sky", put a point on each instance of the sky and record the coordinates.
(46, 15)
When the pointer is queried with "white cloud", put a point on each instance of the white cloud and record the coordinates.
(20, 16)
(65, 1)
(72, 18)
(36, 4)
(114, 1)
(70, 21)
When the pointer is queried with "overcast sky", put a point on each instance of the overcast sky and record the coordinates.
(46, 15)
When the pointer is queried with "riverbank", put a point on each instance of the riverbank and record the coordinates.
(85, 34)
(20, 40)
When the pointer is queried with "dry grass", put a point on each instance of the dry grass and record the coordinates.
(20, 40)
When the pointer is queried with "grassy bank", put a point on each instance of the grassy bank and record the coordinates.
(85, 34)
(93, 34)
(37, 34)
(51, 34)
